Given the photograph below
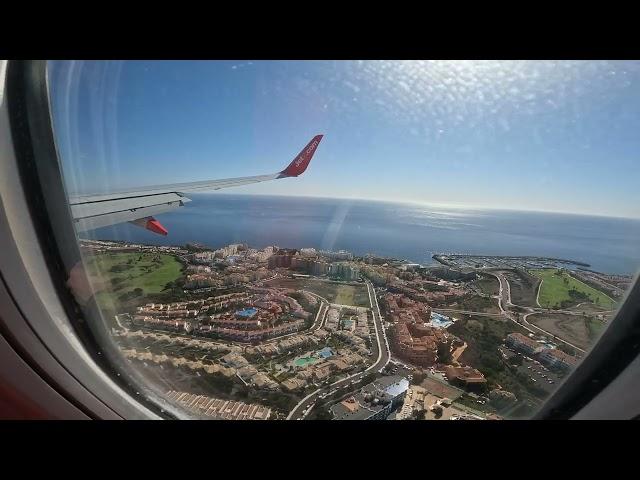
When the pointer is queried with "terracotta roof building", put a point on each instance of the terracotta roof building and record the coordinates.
(466, 377)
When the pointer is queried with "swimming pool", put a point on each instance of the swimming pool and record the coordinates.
(440, 321)
(325, 352)
(313, 358)
(304, 361)
(347, 323)
(247, 312)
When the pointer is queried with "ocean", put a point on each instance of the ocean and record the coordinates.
(405, 231)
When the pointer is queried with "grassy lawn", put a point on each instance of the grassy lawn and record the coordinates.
(345, 295)
(121, 273)
(556, 289)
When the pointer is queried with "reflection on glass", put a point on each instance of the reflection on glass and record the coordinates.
(464, 234)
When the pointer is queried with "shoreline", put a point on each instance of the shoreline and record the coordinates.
(438, 257)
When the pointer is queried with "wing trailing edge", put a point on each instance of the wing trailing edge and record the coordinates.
(139, 206)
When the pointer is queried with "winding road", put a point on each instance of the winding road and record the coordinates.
(505, 305)
(504, 285)
(380, 348)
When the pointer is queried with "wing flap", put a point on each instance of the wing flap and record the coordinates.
(100, 207)
(91, 215)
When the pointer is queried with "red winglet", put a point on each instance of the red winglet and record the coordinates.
(301, 162)
(155, 226)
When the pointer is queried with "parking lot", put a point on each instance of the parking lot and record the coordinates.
(538, 373)
(396, 368)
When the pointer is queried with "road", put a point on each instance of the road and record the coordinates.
(555, 337)
(505, 304)
(444, 311)
(380, 348)
(504, 286)
(539, 290)
(117, 317)
(320, 316)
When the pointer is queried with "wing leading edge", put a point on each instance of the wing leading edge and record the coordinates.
(139, 206)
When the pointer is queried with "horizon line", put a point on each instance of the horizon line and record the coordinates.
(425, 204)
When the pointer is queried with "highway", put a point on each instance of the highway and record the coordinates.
(380, 349)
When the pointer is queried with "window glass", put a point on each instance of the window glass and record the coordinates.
(424, 240)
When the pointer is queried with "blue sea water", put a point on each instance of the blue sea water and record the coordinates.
(407, 231)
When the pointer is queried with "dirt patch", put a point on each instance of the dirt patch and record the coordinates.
(440, 389)
(523, 286)
(488, 284)
(335, 292)
(476, 303)
(580, 330)
(588, 307)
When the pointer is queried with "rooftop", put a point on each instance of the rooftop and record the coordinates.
(392, 385)
(519, 337)
(371, 399)
(560, 355)
(466, 374)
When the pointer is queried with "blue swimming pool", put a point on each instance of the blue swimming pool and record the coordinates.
(440, 321)
(325, 352)
(247, 312)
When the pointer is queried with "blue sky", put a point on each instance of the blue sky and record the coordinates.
(551, 136)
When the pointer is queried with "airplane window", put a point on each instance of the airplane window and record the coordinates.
(351, 240)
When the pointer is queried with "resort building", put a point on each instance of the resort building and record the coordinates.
(466, 377)
(218, 409)
(554, 358)
(522, 343)
(375, 401)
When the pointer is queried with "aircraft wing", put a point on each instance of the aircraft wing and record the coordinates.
(139, 206)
